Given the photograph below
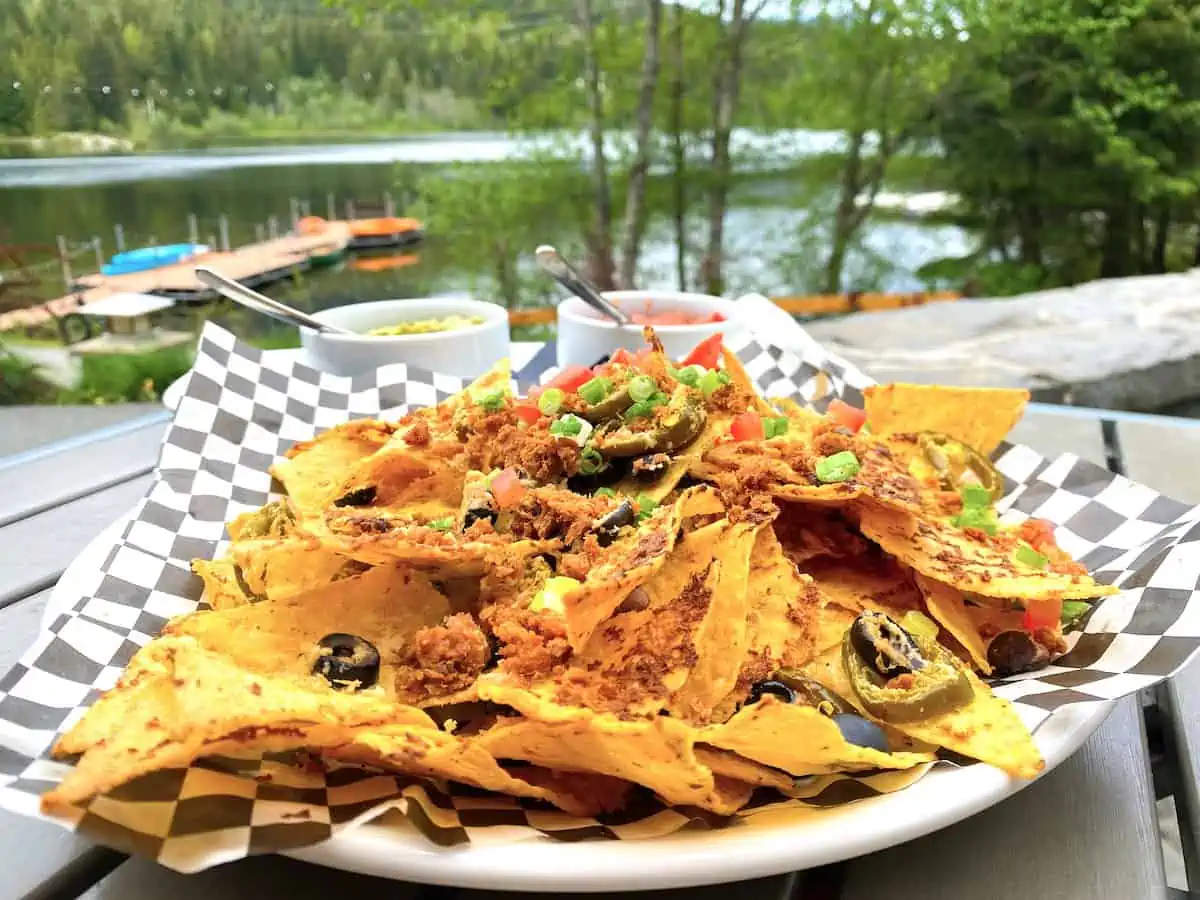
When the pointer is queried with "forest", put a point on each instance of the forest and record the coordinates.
(1066, 129)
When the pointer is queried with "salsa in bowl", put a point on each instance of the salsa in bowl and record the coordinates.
(681, 321)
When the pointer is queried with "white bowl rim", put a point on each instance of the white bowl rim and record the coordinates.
(578, 312)
(493, 314)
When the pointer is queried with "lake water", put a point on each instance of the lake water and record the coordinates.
(152, 195)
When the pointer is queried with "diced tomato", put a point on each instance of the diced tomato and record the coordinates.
(527, 412)
(849, 416)
(506, 487)
(1043, 612)
(621, 357)
(1037, 533)
(570, 378)
(747, 427)
(707, 353)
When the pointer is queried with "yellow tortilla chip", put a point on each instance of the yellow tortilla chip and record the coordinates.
(384, 606)
(987, 729)
(979, 417)
(312, 471)
(946, 606)
(178, 701)
(800, 740)
(948, 555)
(628, 563)
(658, 753)
(721, 639)
(870, 581)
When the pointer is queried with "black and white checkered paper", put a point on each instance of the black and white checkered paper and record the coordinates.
(241, 410)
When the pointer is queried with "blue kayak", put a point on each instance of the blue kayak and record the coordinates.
(151, 258)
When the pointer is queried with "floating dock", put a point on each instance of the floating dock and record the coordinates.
(254, 265)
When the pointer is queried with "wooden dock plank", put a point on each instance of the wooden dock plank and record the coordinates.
(252, 264)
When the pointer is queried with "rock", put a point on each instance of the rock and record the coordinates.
(1128, 343)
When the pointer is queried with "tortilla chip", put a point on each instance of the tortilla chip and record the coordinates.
(312, 471)
(640, 661)
(657, 753)
(946, 606)
(800, 740)
(382, 538)
(948, 555)
(720, 641)
(385, 605)
(979, 417)
(223, 584)
(178, 701)
(627, 563)
(278, 570)
(987, 729)
(806, 531)
(871, 581)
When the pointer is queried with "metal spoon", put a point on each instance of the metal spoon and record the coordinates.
(562, 272)
(262, 303)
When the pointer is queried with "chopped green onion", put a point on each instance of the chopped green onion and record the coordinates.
(551, 401)
(590, 461)
(975, 496)
(604, 492)
(689, 375)
(839, 467)
(1073, 609)
(658, 398)
(710, 382)
(642, 388)
(983, 518)
(775, 426)
(595, 390)
(444, 524)
(492, 400)
(1027, 556)
(919, 624)
(567, 426)
(646, 505)
(639, 410)
(724, 377)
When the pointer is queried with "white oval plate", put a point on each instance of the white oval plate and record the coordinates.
(688, 858)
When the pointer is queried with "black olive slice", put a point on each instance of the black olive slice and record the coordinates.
(608, 526)
(651, 468)
(1014, 652)
(884, 646)
(760, 689)
(347, 661)
(613, 471)
(363, 496)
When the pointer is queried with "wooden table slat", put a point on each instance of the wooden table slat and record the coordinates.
(35, 550)
(55, 478)
(1084, 831)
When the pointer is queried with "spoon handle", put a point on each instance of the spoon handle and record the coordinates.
(261, 303)
(561, 271)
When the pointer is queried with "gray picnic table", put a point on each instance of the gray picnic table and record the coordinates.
(1087, 830)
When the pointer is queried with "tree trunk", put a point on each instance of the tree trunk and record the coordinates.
(600, 263)
(1162, 232)
(635, 198)
(725, 99)
(847, 207)
(1114, 261)
(679, 158)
